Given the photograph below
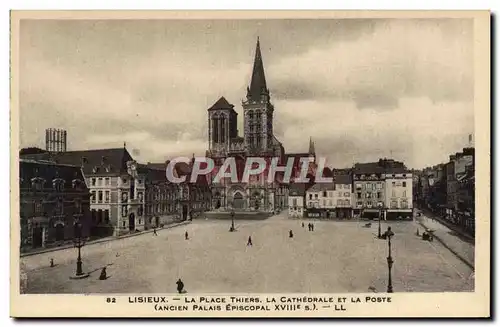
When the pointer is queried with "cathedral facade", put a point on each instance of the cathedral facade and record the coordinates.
(258, 140)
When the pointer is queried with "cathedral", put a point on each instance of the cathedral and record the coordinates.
(258, 140)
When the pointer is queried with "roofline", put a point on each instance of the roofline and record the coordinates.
(91, 150)
(47, 162)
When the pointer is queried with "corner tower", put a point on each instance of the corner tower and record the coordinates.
(258, 110)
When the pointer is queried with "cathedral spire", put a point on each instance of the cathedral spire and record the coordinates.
(311, 146)
(258, 85)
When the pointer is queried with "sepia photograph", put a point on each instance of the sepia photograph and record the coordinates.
(206, 161)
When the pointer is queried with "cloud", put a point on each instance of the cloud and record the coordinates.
(390, 63)
(418, 130)
(362, 89)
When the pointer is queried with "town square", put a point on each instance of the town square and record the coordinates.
(338, 257)
(309, 183)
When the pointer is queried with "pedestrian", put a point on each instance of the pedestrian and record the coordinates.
(154, 231)
(290, 234)
(312, 227)
(309, 226)
(186, 236)
(302, 224)
(249, 243)
(52, 262)
(180, 286)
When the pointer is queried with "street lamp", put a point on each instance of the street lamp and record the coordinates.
(389, 234)
(79, 242)
(232, 221)
(379, 219)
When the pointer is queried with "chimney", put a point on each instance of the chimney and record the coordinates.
(103, 160)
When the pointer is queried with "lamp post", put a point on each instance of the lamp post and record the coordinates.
(390, 234)
(79, 242)
(379, 219)
(232, 221)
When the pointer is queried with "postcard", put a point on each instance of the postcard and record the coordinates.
(250, 164)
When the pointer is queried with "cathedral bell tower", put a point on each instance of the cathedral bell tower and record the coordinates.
(258, 111)
(222, 127)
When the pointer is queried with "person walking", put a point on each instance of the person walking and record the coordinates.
(249, 243)
(290, 234)
(186, 236)
(154, 231)
(180, 286)
(302, 224)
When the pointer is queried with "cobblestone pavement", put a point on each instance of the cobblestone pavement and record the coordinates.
(336, 257)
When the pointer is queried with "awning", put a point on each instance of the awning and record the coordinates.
(399, 210)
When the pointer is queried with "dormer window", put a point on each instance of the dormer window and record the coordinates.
(58, 184)
(37, 183)
(76, 183)
(95, 170)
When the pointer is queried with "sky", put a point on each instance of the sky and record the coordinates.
(362, 89)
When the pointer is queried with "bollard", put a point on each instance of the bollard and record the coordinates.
(103, 275)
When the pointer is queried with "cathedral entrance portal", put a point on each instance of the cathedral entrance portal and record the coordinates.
(238, 202)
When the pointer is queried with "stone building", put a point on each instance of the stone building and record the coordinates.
(296, 200)
(53, 198)
(114, 193)
(383, 189)
(343, 196)
(258, 140)
(126, 196)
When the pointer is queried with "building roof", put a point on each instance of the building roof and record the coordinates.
(318, 187)
(49, 171)
(297, 189)
(223, 104)
(396, 170)
(380, 167)
(343, 179)
(367, 168)
(157, 165)
(327, 172)
(152, 174)
(258, 85)
(100, 162)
